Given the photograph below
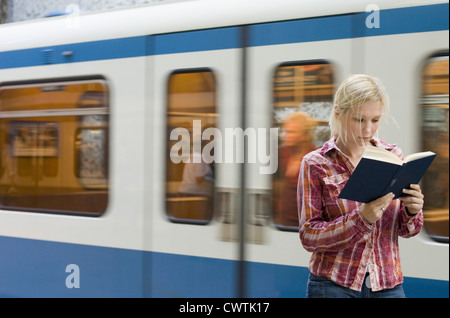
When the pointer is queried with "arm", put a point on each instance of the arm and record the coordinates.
(410, 219)
(411, 216)
(318, 234)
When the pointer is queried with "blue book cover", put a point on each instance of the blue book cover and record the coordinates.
(380, 172)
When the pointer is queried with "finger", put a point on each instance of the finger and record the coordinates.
(415, 187)
(414, 193)
(384, 201)
(387, 198)
(411, 201)
(381, 202)
(414, 208)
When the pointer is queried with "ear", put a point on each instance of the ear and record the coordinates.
(336, 110)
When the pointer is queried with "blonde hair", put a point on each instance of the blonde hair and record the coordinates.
(357, 90)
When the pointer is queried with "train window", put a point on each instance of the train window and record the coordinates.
(191, 109)
(435, 126)
(302, 102)
(54, 146)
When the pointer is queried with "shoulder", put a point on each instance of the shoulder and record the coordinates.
(321, 155)
(377, 142)
(315, 157)
(319, 161)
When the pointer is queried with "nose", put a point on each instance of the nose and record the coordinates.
(367, 127)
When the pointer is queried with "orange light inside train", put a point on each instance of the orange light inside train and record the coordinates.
(54, 147)
(435, 126)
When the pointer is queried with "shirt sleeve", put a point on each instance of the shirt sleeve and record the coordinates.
(317, 233)
(409, 225)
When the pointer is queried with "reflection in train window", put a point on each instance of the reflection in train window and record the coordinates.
(302, 102)
(435, 127)
(54, 146)
(191, 110)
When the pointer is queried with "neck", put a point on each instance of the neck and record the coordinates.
(353, 151)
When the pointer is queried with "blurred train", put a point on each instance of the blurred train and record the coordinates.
(95, 107)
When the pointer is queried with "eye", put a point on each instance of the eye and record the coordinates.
(358, 120)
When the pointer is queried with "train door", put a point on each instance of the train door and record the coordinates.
(193, 185)
(292, 74)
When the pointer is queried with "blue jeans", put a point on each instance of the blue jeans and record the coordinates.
(321, 287)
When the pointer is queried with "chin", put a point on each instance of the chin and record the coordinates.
(365, 143)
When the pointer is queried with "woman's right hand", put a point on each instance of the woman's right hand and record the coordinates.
(373, 211)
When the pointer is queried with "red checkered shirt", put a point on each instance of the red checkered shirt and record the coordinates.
(343, 244)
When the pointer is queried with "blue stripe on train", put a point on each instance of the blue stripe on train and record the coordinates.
(35, 268)
(393, 21)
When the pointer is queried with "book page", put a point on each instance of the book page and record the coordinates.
(418, 155)
(380, 154)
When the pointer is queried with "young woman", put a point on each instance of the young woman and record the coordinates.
(354, 245)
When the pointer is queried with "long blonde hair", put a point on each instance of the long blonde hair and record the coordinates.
(357, 90)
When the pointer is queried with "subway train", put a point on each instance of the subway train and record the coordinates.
(142, 148)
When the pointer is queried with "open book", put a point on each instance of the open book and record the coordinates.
(380, 172)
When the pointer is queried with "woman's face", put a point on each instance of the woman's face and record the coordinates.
(361, 124)
(293, 134)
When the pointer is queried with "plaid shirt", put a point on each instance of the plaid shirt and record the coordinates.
(343, 244)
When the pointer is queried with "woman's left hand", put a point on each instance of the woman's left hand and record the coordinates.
(414, 200)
